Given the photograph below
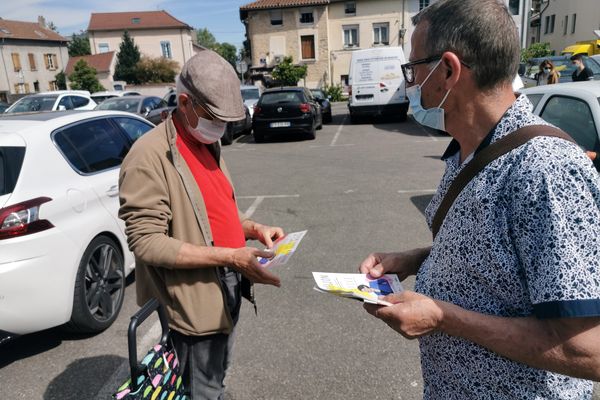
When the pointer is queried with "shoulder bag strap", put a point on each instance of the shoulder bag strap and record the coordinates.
(486, 156)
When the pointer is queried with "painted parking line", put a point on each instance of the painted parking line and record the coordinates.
(339, 130)
(259, 199)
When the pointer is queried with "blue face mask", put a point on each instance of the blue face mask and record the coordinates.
(431, 117)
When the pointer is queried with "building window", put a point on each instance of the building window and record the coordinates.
(52, 85)
(552, 20)
(566, 25)
(344, 80)
(36, 86)
(32, 65)
(51, 61)
(308, 47)
(423, 4)
(381, 33)
(135, 20)
(350, 8)
(102, 47)
(306, 16)
(351, 36)
(573, 21)
(166, 49)
(16, 59)
(276, 17)
(514, 6)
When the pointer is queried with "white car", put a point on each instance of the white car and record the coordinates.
(54, 101)
(99, 97)
(64, 254)
(250, 96)
(575, 108)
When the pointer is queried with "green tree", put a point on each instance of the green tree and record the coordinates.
(84, 78)
(127, 59)
(156, 70)
(52, 27)
(61, 80)
(287, 73)
(79, 45)
(228, 52)
(206, 39)
(334, 91)
(536, 50)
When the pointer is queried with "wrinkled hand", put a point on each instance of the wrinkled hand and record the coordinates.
(412, 315)
(267, 234)
(378, 264)
(244, 260)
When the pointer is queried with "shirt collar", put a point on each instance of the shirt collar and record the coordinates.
(502, 127)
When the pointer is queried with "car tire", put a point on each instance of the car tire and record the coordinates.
(311, 135)
(259, 137)
(99, 287)
(320, 124)
(227, 138)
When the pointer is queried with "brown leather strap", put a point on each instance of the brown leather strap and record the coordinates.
(486, 156)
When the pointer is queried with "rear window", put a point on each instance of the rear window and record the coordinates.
(282, 97)
(11, 161)
(100, 99)
(250, 94)
(34, 103)
(120, 104)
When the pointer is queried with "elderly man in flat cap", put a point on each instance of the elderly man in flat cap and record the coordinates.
(184, 227)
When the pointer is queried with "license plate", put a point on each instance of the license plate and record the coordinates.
(279, 124)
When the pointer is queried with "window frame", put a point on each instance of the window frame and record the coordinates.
(306, 11)
(350, 28)
(279, 21)
(165, 47)
(379, 25)
(423, 4)
(573, 23)
(314, 47)
(32, 63)
(103, 48)
(16, 60)
(350, 11)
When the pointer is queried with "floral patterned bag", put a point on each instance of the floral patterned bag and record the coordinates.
(158, 376)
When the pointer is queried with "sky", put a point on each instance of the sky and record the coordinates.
(221, 17)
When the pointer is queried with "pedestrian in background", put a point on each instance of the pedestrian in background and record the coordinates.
(581, 73)
(507, 299)
(547, 74)
(183, 224)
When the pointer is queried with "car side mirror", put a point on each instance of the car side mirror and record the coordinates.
(61, 108)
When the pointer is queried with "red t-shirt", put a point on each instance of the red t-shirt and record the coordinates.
(215, 188)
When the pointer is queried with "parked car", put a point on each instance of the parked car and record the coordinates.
(3, 106)
(99, 97)
(250, 95)
(149, 107)
(232, 130)
(54, 101)
(562, 64)
(575, 108)
(286, 109)
(64, 255)
(323, 100)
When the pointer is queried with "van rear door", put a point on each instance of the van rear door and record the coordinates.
(365, 80)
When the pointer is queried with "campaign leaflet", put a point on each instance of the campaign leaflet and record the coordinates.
(283, 248)
(358, 286)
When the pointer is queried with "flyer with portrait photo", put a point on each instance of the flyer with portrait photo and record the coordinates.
(358, 286)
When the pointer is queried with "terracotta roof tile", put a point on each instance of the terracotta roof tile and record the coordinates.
(27, 31)
(266, 4)
(133, 20)
(101, 62)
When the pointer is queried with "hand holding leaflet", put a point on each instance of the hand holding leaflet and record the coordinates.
(358, 286)
(283, 248)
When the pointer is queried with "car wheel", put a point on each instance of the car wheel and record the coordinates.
(312, 133)
(99, 287)
(320, 124)
(259, 137)
(227, 138)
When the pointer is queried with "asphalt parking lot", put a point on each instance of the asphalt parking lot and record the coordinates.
(355, 189)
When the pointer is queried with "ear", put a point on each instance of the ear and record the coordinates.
(454, 69)
(183, 99)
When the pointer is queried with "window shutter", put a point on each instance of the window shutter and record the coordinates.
(16, 59)
(46, 61)
(54, 61)
(32, 65)
(308, 47)
(27, 88)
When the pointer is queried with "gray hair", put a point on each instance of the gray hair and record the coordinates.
(481, 33)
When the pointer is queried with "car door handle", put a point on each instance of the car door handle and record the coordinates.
(113, 191)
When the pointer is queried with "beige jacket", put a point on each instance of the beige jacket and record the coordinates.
(162, 208)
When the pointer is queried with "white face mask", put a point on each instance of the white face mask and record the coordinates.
(431, 117)
(206, 131)
(547, 70)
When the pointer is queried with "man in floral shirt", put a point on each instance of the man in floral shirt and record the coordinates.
(507, 299)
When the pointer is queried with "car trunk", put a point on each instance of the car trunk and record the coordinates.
(281, 105)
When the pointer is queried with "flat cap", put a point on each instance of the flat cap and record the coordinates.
(212, 81)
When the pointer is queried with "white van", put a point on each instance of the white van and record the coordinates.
(376, 83)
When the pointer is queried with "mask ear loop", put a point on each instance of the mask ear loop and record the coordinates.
(445, 97)
(430, 72)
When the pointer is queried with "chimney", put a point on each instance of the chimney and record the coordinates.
(42, 21)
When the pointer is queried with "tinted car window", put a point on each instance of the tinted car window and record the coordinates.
(134, 128)
(250, 94)
(66, 102)
(281, 97)
(318, 94)
(593, 65)
(534, 99)
(92, 146)
(35, 103)
(148, 104)
(79, 101)
(574, 117)
(120, 104)
(172, 100)
(11, 161)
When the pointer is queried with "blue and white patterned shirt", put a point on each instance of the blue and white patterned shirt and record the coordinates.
(522, 239)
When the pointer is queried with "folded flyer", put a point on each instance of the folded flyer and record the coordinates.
(283, 248)
(358, 286)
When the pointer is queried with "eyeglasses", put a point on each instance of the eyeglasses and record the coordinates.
(409, 72)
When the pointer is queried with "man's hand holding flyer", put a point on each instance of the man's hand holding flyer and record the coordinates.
(283, 249)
